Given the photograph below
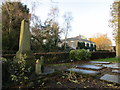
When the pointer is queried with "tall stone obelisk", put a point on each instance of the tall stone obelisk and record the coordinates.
(24, 45)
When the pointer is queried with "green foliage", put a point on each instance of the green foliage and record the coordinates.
(5, 71)
(14, 73)
(80, 54)
(72, 54)
(19, 72)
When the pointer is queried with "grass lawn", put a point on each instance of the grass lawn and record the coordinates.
(115, 60)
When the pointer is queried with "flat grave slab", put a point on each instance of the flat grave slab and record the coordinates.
(116, 71)
(82, 71)
(111, 78)
(90, 67)
(48, 71)
(99, 62)
(114, 66)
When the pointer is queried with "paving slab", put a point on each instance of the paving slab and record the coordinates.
(116, 71)
(111, 78)
(82, 71)
(114, 66)
(90, 67)
(99, 62)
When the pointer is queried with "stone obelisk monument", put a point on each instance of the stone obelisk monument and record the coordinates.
(24, 45)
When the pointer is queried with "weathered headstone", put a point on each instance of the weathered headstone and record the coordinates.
(39, 66)
(24, 45)
(38, 70)
(48, 70)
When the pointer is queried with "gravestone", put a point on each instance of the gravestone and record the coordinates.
(111, 78)
(89, 67)
(24, 46)
(82, 71)
(114, 66)
(39, 66)
(48, 70)
(116, 71)
(99, 62)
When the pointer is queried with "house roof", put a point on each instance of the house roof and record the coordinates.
(81, 40)
(72, 39)
(84, 40)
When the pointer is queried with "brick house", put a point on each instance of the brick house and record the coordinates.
(80, 43)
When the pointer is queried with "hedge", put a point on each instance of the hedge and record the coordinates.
(50, 57)
(53, 57)
(57, 57)
(102, 54)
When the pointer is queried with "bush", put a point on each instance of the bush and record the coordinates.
(5, 71)
(80, 54)
(14, 72)
(72, 54)
(19, 71)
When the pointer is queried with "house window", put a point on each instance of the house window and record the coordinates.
(87, 44)
(81, 45)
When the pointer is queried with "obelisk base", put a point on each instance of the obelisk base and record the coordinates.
(28, 57)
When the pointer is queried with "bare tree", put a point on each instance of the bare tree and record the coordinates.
(67, 24)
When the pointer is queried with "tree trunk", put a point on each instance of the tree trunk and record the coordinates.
(118, 35)
(118, 50)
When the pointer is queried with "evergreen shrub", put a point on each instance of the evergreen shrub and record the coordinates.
(80, 54)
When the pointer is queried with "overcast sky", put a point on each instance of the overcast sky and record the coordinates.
(89, 16)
